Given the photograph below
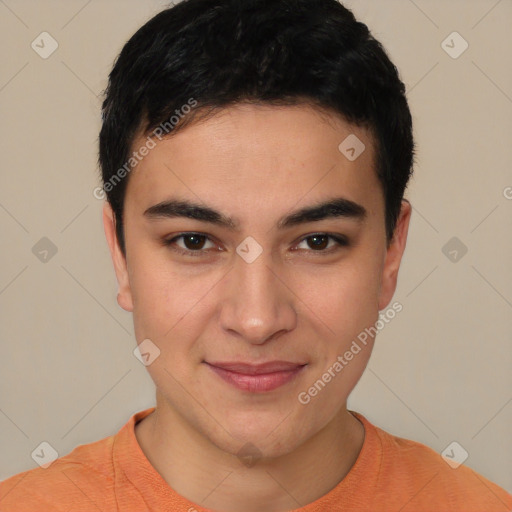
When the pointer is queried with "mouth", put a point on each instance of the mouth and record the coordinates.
(257, 378)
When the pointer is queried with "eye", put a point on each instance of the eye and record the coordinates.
(191, 243)
(319, 242)
(195, 244)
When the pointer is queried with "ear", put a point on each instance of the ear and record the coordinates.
(124, 297)
(394, 255)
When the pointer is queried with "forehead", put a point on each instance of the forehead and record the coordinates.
(248, 152)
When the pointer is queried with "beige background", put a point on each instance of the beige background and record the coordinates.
(440, 371)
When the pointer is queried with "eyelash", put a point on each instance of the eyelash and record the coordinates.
(340, 240)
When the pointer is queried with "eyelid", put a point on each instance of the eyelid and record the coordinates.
(340, 240)
(170, 241)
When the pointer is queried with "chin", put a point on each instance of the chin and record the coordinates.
(258, 447)
(268, 436)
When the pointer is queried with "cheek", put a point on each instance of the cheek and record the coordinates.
(171, 307)
(343, 297)
(345, 307)
(161, 296)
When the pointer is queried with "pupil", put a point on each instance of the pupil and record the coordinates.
(321, 244)
(196, 241)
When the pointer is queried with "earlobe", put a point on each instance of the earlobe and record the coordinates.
(124, 297)
(394, 255)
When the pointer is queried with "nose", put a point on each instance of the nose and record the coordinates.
(257, 306)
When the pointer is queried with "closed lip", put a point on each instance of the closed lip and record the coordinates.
(257, 369)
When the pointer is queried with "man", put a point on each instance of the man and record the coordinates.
(254, 156)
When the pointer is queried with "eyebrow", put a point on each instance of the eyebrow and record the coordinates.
(338, 207)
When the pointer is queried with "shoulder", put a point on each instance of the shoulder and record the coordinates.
(72, 480)
(427, 478)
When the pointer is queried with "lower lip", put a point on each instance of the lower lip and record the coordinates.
(257, 383)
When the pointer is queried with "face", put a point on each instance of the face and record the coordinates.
(267, 246)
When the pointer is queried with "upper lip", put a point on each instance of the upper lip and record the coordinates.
(257, 369)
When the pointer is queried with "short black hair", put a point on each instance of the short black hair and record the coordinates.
(217, 53)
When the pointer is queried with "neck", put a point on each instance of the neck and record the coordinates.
(203, 473)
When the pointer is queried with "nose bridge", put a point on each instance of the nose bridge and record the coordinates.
(256, 304)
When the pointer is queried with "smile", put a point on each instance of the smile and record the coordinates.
(257, 378)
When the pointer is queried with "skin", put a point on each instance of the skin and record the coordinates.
(295, 302)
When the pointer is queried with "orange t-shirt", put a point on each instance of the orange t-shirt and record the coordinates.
(113, 474)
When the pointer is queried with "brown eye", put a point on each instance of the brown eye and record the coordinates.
(190, 243)
(193, 242)
(319, 242)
